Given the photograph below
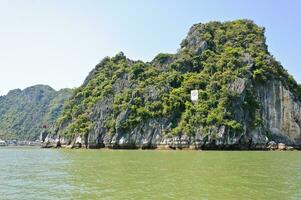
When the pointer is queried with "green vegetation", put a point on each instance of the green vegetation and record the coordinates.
(23, 113)
(161, 88)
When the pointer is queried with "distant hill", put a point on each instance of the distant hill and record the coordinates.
(23, 112)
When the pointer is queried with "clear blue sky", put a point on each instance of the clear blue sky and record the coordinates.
(57, 42)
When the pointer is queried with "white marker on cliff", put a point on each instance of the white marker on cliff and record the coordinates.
(194, 95)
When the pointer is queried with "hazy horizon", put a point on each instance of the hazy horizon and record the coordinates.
(57, 43)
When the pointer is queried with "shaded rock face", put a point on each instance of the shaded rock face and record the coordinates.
(102, 110)
(277, 108)
(281, 113)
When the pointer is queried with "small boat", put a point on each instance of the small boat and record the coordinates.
(2, 143)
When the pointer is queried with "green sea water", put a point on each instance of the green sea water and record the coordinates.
(34, 173)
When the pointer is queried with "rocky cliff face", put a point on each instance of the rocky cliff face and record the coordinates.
(281, 112)
(246, 99)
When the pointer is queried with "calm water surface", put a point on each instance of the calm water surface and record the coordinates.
(33, 173)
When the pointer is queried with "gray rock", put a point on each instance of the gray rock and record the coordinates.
(272, 145)
(281, 113)
(281, 146)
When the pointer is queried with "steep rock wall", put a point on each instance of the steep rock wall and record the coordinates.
(281, 112)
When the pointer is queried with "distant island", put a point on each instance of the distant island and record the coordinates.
(222, 90)
(25, 113)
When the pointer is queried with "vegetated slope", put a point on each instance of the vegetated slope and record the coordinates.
(246, 98)
(24, 112)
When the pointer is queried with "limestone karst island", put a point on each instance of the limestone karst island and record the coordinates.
(245, 99)
(150, 100)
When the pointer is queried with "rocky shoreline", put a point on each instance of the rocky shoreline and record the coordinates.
(174, 143)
